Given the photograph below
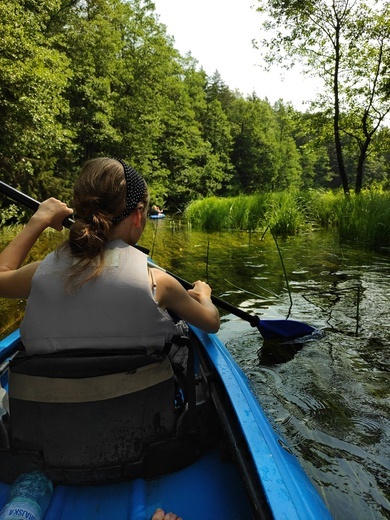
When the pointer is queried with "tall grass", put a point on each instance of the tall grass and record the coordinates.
(364, 218)
(220, 214)
(284, 213)
(247, 212)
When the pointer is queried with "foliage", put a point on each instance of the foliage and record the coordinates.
(33, 77)
(347, 45)
(83, 78)
(11, 215)
(255, 150)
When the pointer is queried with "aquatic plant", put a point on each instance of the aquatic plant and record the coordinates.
(284, 214)
(320, 206)
(363, 218)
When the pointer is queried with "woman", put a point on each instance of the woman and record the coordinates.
(97, 291)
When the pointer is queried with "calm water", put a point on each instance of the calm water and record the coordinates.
(329, 395)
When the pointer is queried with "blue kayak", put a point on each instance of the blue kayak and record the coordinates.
(156, 215)
(198, 445)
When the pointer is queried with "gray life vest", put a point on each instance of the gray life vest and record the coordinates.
(115, 310)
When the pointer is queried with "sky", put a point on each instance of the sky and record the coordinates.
(219, 35)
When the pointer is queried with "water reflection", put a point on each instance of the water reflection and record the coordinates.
(328, 395)
(274, 353)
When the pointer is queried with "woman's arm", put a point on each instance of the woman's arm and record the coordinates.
(194, 306)
(15, 281)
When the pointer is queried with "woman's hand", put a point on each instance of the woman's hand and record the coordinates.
(193, 306)
(51, 213)
(200, 291)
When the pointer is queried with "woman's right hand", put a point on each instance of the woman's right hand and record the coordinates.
(15, 281)
(51, 213)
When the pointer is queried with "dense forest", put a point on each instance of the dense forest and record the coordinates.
(83, 78)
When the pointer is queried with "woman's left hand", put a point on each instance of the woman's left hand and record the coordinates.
(200, 291)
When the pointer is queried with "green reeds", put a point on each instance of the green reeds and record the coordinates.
(363, 218)
(210, 214)
(320, 207)
(285, 215)
(248, 212)
(245, 212)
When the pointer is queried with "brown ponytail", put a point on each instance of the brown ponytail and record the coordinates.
(99, 196)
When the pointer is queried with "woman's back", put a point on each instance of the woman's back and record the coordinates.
(114, 310)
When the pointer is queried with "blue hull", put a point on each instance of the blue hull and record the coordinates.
(264, 482)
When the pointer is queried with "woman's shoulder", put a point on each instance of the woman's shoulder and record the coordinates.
(55, 259)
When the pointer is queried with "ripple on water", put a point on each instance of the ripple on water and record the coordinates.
(319, 399)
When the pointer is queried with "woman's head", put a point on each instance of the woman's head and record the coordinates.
(108, 190)
(105, 193)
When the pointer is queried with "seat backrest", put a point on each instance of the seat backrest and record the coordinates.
(84, 409)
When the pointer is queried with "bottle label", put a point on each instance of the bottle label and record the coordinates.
(21, 507)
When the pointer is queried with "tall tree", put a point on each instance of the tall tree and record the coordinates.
(325, 36)
(155, 110)
(216, 130)
(255, 149)
(366, 98)
(33, 77)
(289, 172)
(217, 89)
(93, 44)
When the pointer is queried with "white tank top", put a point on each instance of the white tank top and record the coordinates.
(115, 310)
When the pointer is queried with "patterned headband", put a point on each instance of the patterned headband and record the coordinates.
(135, 191)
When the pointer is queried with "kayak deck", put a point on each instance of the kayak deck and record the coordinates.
(251, 473)
(210, 488)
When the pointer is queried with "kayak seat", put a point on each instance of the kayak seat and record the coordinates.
(84, 410)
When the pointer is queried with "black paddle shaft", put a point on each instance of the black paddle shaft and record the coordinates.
(26, 200)
(253, 320)
(270, 329)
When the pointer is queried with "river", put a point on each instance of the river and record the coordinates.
(329, 394)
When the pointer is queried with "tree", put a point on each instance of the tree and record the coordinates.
(182, 151)
(216, 131)
(328, 37)
(366, 97)
(255, 148)
(33, 78)
(92, 41)
(217, 89)
(289, 172)
(313, 137)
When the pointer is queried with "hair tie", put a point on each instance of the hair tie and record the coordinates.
(135, 190)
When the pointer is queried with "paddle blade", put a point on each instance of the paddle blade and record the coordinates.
(283, 329)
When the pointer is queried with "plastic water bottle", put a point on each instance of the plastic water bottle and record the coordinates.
(28, 498)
